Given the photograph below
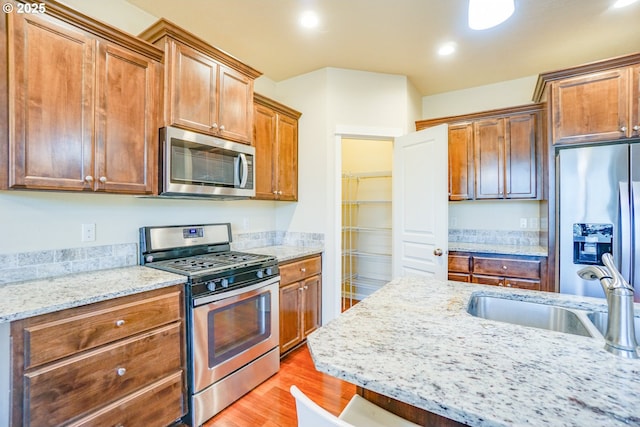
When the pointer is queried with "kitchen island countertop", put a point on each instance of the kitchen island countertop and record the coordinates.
(414, 341)
(19, 300)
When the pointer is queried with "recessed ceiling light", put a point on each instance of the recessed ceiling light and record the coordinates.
(447, 49)
(309, 19)
(623, 3)
(484, 14)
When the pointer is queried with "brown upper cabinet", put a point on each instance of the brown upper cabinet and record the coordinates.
(206, 90)
(83, 105)
(594, 102)
(494, 154)
(276, 142)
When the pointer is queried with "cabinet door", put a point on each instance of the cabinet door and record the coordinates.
(635, 101)
(51, 89)
(459, 277)
(193, 89)
(287, 159)
(489, 158)
(290, 311)
(520, 157)
(127, 127)
(312, 294)
(590, 108)
(264, 140)
(461, 162)
(235, 112)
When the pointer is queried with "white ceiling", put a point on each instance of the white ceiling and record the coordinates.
(402, 36)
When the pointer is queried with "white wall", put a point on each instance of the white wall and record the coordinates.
(486, 215)
(333, 99)
(498, 95)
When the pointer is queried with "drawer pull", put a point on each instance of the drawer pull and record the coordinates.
(304, 270)
(121, 371)
(306, 287)
(504, 267)
(120, 322)
(301, 289)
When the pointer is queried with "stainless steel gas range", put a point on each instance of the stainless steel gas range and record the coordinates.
(232, 313)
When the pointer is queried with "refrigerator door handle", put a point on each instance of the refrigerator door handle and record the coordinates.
(635, 236)
(625, 231)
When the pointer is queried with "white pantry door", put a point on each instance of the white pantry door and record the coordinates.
(420, 203)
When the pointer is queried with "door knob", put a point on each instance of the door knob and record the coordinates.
(438, 252)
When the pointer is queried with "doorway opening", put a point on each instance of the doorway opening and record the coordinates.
(366, 217)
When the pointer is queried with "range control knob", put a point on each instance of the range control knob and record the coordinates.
(260, 274)
(149, 258)
(224, 283)
(211, 286)
(269, 271)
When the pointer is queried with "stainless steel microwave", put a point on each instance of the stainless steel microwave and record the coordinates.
(197, 165)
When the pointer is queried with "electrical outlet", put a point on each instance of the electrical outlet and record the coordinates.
(88, 232)
(523, 222)
(533, 223)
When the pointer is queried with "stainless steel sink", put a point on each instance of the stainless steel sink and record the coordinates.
(600, 319)
(531, 314)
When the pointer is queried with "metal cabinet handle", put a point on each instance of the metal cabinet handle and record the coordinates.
(438, 252)
(508, 285)
(636, 128)
(121, 371)
(303, 269)
(88, 178)
(306, 287)
(103, 179)
(221, 127)
(623, 129)
(120, 322)
(214, 126)
(504, 267)
(300, 289)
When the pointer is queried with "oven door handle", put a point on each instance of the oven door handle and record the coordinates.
(234, 292)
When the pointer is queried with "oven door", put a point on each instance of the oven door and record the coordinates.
(233, 331)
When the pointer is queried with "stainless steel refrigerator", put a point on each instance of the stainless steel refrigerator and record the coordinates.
(599, 211)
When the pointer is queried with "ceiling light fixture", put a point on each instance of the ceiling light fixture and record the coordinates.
(484, 14)
(447, 49)
(309, 19)
(623, 3)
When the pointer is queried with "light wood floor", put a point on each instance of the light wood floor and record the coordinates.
(271, 405)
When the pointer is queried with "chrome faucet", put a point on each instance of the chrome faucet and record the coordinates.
(620, 338)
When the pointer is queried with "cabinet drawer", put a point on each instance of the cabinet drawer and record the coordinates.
(459, 277)
(78, 385)
(459, 263)
(528, 269)
(63, 337)
(152, 406)
(298, 270)
(508, 282)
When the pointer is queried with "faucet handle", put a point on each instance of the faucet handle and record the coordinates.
(618, 280)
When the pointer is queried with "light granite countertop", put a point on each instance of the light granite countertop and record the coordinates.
(414, 341)
(498, 249)
(287, 253)
(20, 300)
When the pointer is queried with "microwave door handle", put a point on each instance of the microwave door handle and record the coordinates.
(625, 230)
(244, 174)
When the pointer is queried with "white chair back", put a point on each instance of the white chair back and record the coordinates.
(312, 415)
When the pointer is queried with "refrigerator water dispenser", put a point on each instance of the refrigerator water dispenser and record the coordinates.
(590, 241)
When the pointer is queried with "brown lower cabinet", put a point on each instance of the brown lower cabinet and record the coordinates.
(300, 300)
(117, 362)
(512, 271)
